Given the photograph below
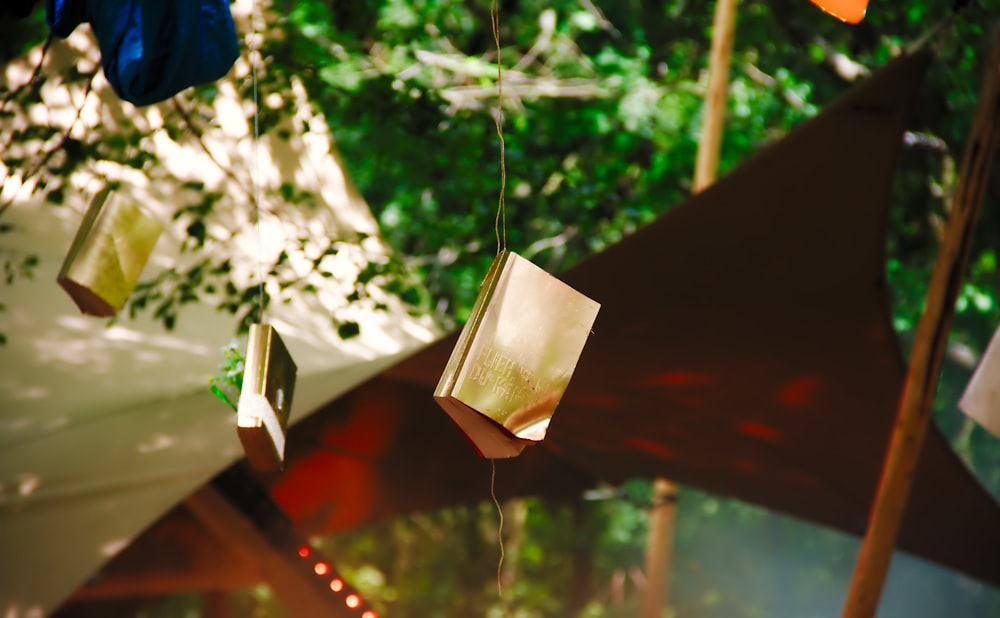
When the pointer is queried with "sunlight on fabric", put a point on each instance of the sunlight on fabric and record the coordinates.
(113, 547)
(157, 442)
(28, 484)
(20, 391)
(16, 611)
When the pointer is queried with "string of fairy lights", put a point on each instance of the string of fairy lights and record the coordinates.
(336, 584)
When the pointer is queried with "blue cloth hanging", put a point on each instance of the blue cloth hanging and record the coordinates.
(153, 49)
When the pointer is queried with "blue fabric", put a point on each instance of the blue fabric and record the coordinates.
(153, 49)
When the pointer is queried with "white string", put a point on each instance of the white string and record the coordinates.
(493, 494)
(500, 225)
(500, 228)
(254, 53)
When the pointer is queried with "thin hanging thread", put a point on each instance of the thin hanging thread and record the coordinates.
(254, 53)
(500, 225)
(500, 229)
(493, 494)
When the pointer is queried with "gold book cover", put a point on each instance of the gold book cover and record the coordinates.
(266, 398)
(981, 399)
(515, 356)
(108, 253)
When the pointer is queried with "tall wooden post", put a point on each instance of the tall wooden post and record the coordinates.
(660, 548)
(660, 543)
(914, 408)
(714, 114)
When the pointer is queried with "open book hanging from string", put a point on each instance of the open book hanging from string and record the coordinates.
(108, 254)
(266, 398)
(515, 356)
(269, 377)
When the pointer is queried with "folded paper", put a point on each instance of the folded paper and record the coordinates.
(515, 356)
(266, 398)
(107, 256)
(981, 399)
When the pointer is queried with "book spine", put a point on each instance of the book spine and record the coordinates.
(461, 351)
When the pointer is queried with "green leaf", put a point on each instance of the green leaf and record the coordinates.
(197, 231)
(56, 196)
(348, 330)
(218, 392)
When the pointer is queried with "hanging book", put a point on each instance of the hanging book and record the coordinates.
(981, 399)
(108, 254)
(266, 398)
(515, 356)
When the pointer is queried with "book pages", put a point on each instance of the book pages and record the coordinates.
(515, 356)
(108, 254)
(266, 398)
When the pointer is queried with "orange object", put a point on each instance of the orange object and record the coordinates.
(851, 11)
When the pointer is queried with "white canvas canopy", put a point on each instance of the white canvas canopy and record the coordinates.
(105, 425)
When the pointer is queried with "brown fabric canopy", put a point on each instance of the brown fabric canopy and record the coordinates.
(743, 347)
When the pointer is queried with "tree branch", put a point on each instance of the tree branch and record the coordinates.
(34, 75)
(838, 64)
(199, 137)
(62, 142)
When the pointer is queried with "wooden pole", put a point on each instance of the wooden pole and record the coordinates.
(659, 548)
(714, 115)
(660, 542)
(925, 361)
(303, 592)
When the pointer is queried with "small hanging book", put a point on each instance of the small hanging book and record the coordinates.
(266, 398)
(981, 399)
(515, 356)
(111, 247)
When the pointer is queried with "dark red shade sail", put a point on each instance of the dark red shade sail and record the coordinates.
(743, 347)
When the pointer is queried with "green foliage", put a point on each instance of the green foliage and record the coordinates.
(16, 265)
(44, 158)
(581, 168)
(227, 384)
(584, 169)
